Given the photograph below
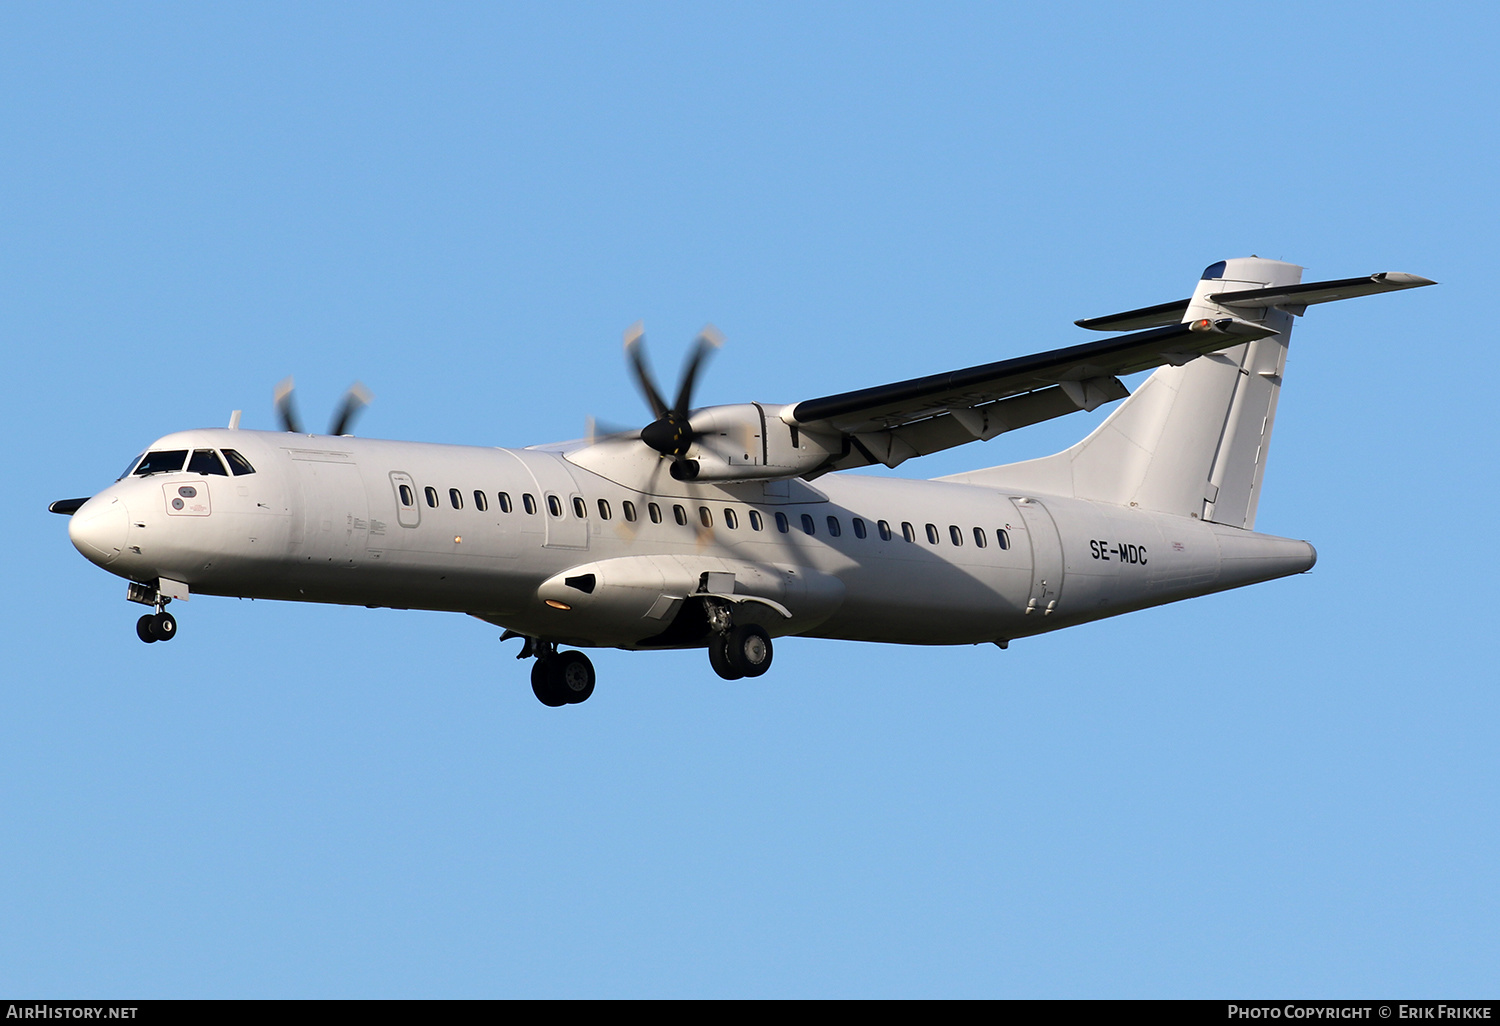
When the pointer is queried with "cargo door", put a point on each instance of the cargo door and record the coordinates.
(335, 511)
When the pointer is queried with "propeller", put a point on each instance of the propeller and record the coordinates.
(356, 398)
(670, 433)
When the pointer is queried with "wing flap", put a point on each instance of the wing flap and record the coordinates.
(1145, 317)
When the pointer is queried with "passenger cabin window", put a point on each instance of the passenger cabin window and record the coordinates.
(859, 528)
(431, 495)
(884, 529)
(456, 498)
(528, 503)
(979, 538)
(808, 527)
(603, 510)
(407, 498)
(731, 521)
(756, 523)
(705, 516)
(165, 462)
(833, 527)
(481, 501)
(206, 461)
(1002, 538)
(238, 465)
(580, 510)
(680, 515)
(628, 509)
(781, 523)
(505, 506)
(932, 535)
(908, 532)
(554, 505)
(955, 535)
(655, 512)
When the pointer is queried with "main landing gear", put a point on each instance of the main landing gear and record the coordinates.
(735, 650)
(741, 651)
(557, 678)
(565, 678)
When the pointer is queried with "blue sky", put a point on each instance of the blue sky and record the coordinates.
(1286, 790)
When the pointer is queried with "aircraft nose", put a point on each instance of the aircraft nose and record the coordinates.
(98, 529)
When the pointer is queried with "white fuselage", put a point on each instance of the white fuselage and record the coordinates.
(323, 519)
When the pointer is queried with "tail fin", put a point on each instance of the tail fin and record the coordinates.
(1192, 440)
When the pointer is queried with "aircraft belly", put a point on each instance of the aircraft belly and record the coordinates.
(920, 604)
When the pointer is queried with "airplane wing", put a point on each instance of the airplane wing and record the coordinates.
(892, 423)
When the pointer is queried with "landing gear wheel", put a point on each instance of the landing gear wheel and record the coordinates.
(747, 647)
(573, 674)
(718, 658)
(164, 626)
(143, 629)
(543, 687)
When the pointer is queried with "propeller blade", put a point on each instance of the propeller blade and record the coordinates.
(286, 409)
(635, 338)
(708, 341)
(626, 529)
(355, 400)
(596, 430)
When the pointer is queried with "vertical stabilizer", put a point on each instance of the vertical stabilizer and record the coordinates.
(1192, 440)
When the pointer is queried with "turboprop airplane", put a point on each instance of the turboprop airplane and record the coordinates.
(727, 526)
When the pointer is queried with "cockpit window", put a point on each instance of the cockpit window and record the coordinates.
(163, 462)
(238, 463)
(130, 466)
(1215, 270)
(206, 461)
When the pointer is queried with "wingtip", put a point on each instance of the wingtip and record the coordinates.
(1404, 280)
(634, 333)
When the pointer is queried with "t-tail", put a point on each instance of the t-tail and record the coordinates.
(1192, 440)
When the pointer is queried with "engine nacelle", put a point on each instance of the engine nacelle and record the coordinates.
(747, 441)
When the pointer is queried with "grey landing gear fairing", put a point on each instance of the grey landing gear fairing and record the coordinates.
(557, 678)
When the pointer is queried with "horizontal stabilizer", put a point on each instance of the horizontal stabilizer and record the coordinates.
(1295, 298)
(1298, 297)
(1134, 320)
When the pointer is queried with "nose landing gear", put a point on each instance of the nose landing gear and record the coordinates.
(158, 627)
